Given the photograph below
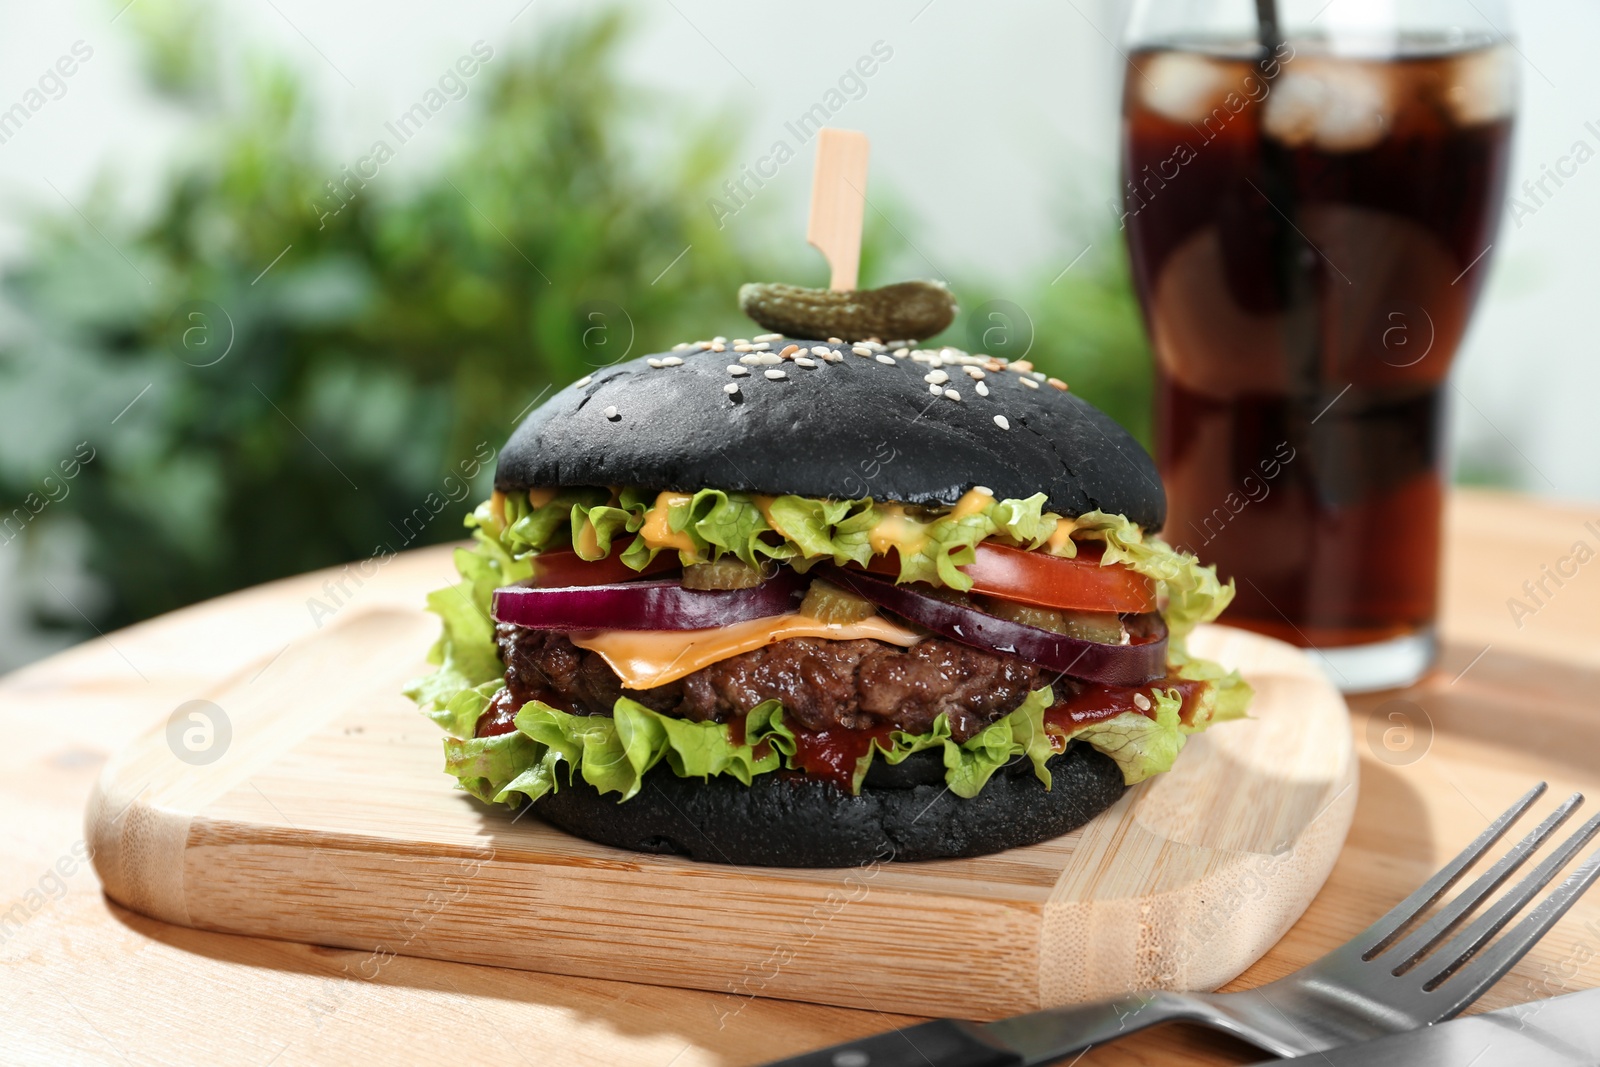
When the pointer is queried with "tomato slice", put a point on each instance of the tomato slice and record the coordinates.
(1046, 581)
(565, 567)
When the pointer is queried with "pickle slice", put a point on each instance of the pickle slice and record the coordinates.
(1103, 627)
(911, 311)
(827, 603)
(725, 573)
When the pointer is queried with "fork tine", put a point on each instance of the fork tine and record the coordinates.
(1489, 966)
(1383, 933)
(1425, 937)
(1466, 944)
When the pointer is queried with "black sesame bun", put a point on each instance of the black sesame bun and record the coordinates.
(835, 420)
(786, 819)
(818, 423)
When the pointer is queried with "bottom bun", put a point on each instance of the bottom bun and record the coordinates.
(784, 819)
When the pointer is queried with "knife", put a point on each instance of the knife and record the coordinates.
(1556, 1032)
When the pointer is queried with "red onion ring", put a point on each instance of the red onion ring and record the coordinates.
(1125, 665)
(654, 605)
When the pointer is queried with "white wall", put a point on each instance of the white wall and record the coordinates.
(1529, 368)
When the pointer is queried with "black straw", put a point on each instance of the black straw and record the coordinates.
(1269, 31)
(1290, 252)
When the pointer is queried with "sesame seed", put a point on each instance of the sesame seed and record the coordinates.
(1057, 383)
(951, 394)
(836, 340)
(1002, 422)
(738, 371)
(831, 356)
(983, 390)
(937, 377)
(702, 345)
(802, 361)
(1024, 365)
(935, 390)
(1029, 382)
(585, 380)
(768, 358)
(972, 371)
(681, 345)
(769, 337)
(902, 352)
(1141, 702)
(611, 413)
(820, 350)
(654, 363)
(861, 350)
(732, 388)
(762, 346)
(741, 340)
(1038, 375)
(672, 361)
(743, 346)
(718, 346)
(984, 489)
(751, 361)
(776, 375)
(886, 360)
(788, 351)
(719, 340)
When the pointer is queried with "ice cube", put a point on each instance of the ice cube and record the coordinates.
(1182, 86)
(1483, 86)
(1338, 105)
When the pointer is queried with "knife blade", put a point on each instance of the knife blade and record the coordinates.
(1559, 1031)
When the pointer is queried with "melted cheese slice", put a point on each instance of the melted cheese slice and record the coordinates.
(647, 658)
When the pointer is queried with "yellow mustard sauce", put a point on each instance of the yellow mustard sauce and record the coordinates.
(657, 530)
(897, 530)
(972, 502)
(587, 546)
(764, 505)
(1060, 536)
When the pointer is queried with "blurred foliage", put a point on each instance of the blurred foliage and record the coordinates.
(269, 387)
(1081, 325)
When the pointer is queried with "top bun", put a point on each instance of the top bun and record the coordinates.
(838, 426)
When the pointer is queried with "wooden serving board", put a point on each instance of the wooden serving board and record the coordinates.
(328, 819)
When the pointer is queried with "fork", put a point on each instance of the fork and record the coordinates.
(1397, 975)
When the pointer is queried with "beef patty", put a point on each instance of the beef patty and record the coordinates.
(821, 683)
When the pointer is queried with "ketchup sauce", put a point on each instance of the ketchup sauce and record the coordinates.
(832, 755)
(1097, 703)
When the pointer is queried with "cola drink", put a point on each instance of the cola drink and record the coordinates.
(1308, 234)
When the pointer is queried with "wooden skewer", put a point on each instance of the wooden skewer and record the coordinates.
(838, 201)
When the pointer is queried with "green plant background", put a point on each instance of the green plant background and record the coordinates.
(396, 338)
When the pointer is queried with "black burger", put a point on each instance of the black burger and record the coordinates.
(806, 603)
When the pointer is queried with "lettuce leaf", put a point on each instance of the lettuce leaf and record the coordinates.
(614, 753)
(1147, 744)
(788, 528)
(465, 652)
(835, 529)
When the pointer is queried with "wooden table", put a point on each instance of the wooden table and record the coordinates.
(84, 981)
